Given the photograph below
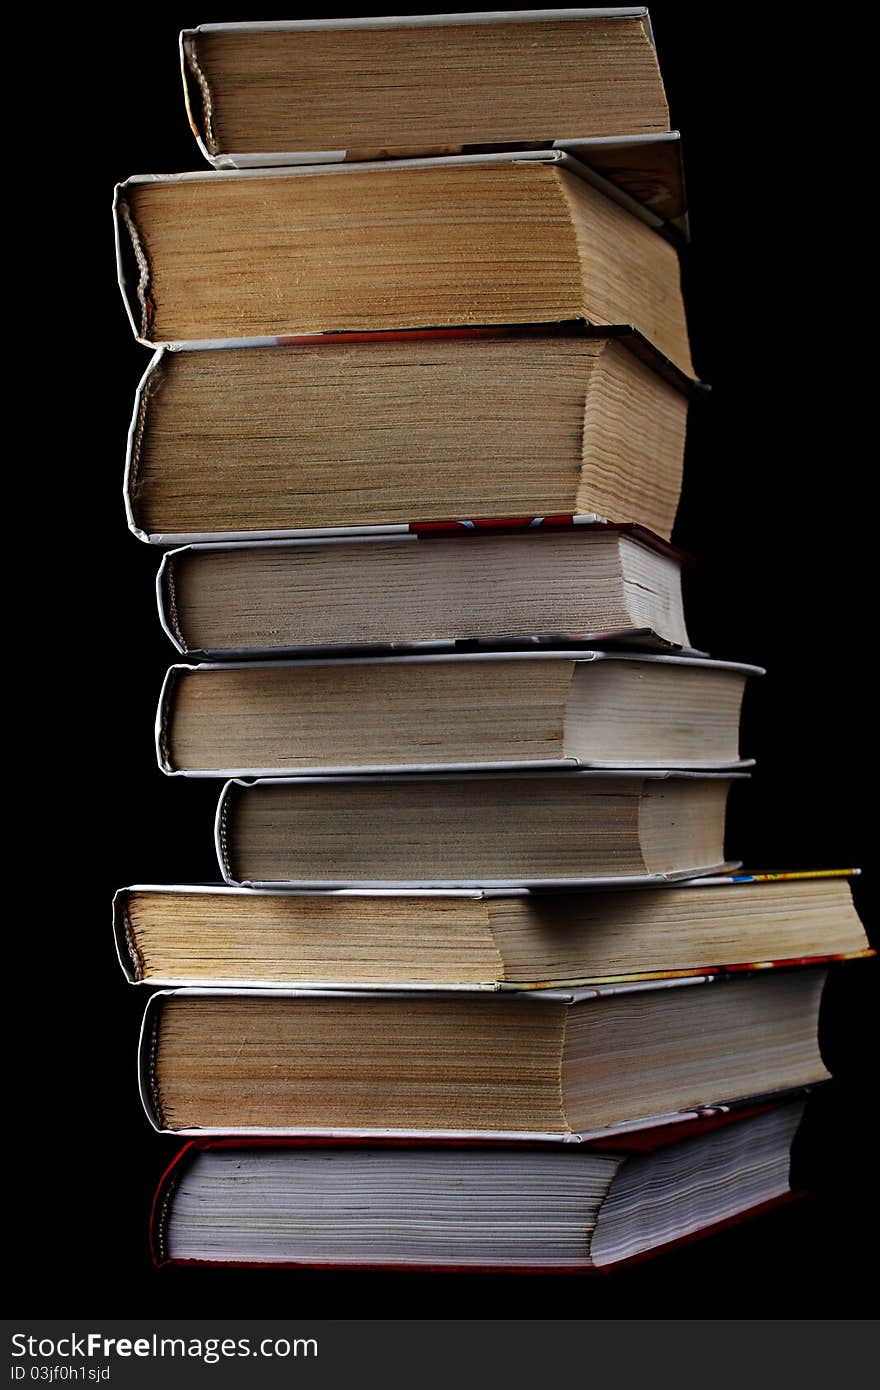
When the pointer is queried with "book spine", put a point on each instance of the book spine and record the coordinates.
(148, 1051)
(128, 953)
(134, 441)
(138, 305)
(195, 89)
(221, 826)
(161, 1206)
(166, 600)
(161, 728)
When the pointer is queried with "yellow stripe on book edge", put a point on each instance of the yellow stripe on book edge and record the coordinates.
(790, 962)
(795, 874)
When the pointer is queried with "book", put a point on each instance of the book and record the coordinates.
(463, 711)
(418, 426)
(367, 247)
(477, 829)
(466, 1206)
(543, 1063)
(432, 586)
(204, 935)
(371, 88)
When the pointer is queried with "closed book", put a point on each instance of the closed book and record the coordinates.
(506, 585)
(367, 248)
(354, 430)
(301, 91)
(557, 1064)
(467, 711)
(474, 829)
(466, 1206)
(204, 935)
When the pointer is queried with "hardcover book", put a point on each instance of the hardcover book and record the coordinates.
(476, 829)
(361, 429)
(537, 582)
(467, 1206)
(458, 939)
(468, 711)
(367, 248)
(541, 1064)
(319, 90)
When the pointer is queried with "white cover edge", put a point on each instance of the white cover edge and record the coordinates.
(422, 20)
(580, 655)
(574, 145)
(500, 886)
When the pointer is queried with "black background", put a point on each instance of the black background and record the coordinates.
(777, 508)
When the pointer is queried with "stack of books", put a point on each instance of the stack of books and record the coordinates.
(480, 987)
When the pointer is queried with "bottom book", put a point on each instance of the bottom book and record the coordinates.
(504, 1206)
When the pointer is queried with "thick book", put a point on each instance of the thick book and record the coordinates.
(473, 829)
(415, 426)
(470, 1206)
(260, 254)
(433, 586)
(550, 1064)
(207, 935)
(463, 711)
(368, 88)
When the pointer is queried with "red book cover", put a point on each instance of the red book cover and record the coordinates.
(634, 1142)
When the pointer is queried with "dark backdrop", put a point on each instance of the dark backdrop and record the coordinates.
(775, 509)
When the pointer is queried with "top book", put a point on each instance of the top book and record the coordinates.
(379, 88)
